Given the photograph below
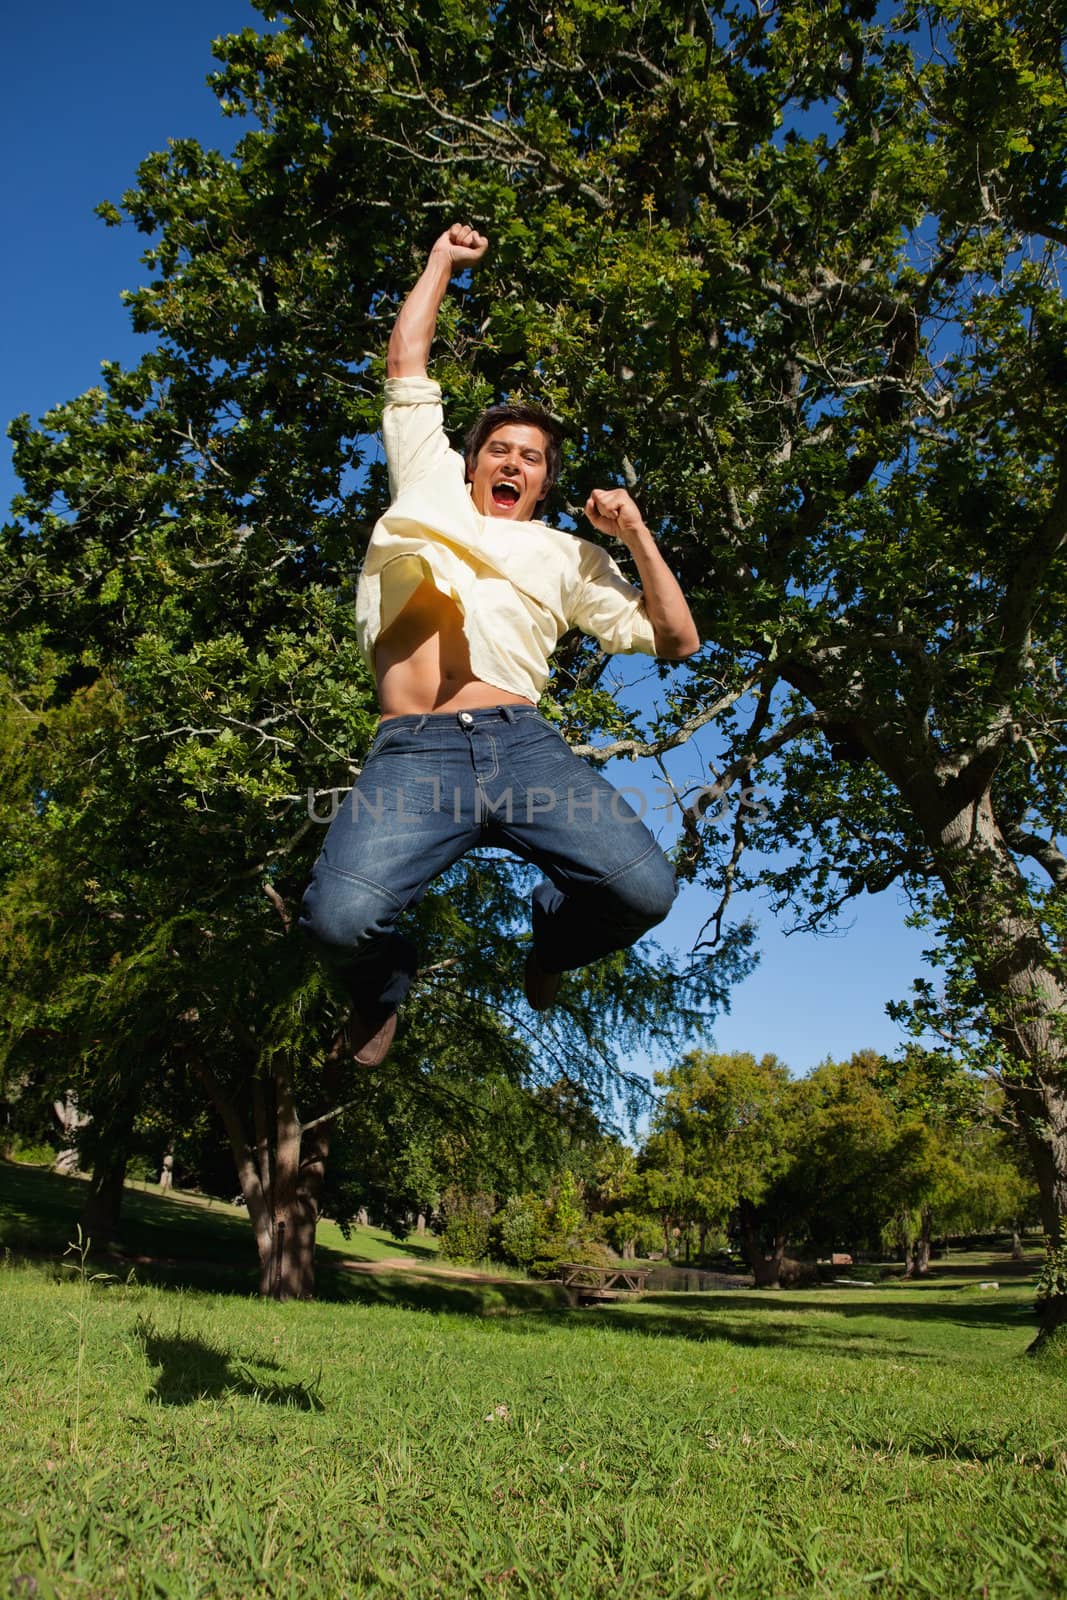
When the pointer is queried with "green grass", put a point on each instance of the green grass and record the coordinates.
(890, 1442)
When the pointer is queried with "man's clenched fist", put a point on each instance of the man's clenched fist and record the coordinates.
(462, 244)
(614, 511)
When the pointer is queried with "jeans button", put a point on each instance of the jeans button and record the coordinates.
(466, 720)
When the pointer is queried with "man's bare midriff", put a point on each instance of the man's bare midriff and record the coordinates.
(423, 663)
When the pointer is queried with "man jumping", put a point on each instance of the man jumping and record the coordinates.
(462, 599)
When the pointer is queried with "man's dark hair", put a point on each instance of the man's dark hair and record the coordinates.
(529, 416)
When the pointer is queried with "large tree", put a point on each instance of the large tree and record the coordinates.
(793, 274)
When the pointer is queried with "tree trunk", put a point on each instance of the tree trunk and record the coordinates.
(1042, 1113)
(287, 1269)
(1023, 994)
(766, 1268)
(106, 1141)
(281, 1178)
(1016, 1245)
(919, 1261)
(906, 1244)
(1052, 1304)
(1051, 1319)
(1018, 977)
(99, 1221)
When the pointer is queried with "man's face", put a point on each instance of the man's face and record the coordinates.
(507, 477)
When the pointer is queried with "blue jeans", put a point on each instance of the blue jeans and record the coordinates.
(433, 787)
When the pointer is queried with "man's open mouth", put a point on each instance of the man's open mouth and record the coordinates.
(505, 495)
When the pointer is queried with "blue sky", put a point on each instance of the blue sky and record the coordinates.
(89, 91)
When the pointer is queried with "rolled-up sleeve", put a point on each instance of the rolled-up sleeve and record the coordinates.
(413, 429)
(608, 608)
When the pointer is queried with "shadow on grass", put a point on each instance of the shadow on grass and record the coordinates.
(192, 1370)
(970, 1446)
(691, 1325)
(958, 1266)
(413, 1292)
(169, 1239)
(768, 1320)
(239, 1277)
(882, 1303)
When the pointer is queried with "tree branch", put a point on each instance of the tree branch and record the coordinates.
(1043, 851)
(712, 793)
(682, 735)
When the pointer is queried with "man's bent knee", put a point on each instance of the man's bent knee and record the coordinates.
(645, 892)
(344, 913)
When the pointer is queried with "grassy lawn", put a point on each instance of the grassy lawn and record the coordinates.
(888, 1441)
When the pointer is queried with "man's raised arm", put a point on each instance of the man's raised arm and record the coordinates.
(412, 336)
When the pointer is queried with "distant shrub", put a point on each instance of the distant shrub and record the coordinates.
(541, 1233)
(569, 1234)
(518, 1232)
(465, 1235)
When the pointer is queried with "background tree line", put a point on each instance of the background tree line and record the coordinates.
(796, 278)
(745, 1164)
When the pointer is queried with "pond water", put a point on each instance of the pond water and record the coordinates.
(692, 1280)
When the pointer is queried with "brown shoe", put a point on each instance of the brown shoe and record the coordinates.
(370, 1045)
(541, 987)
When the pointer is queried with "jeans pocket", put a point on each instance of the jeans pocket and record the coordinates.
(401, 786)
(387, 734)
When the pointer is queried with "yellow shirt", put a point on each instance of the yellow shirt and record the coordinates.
(519, 585)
